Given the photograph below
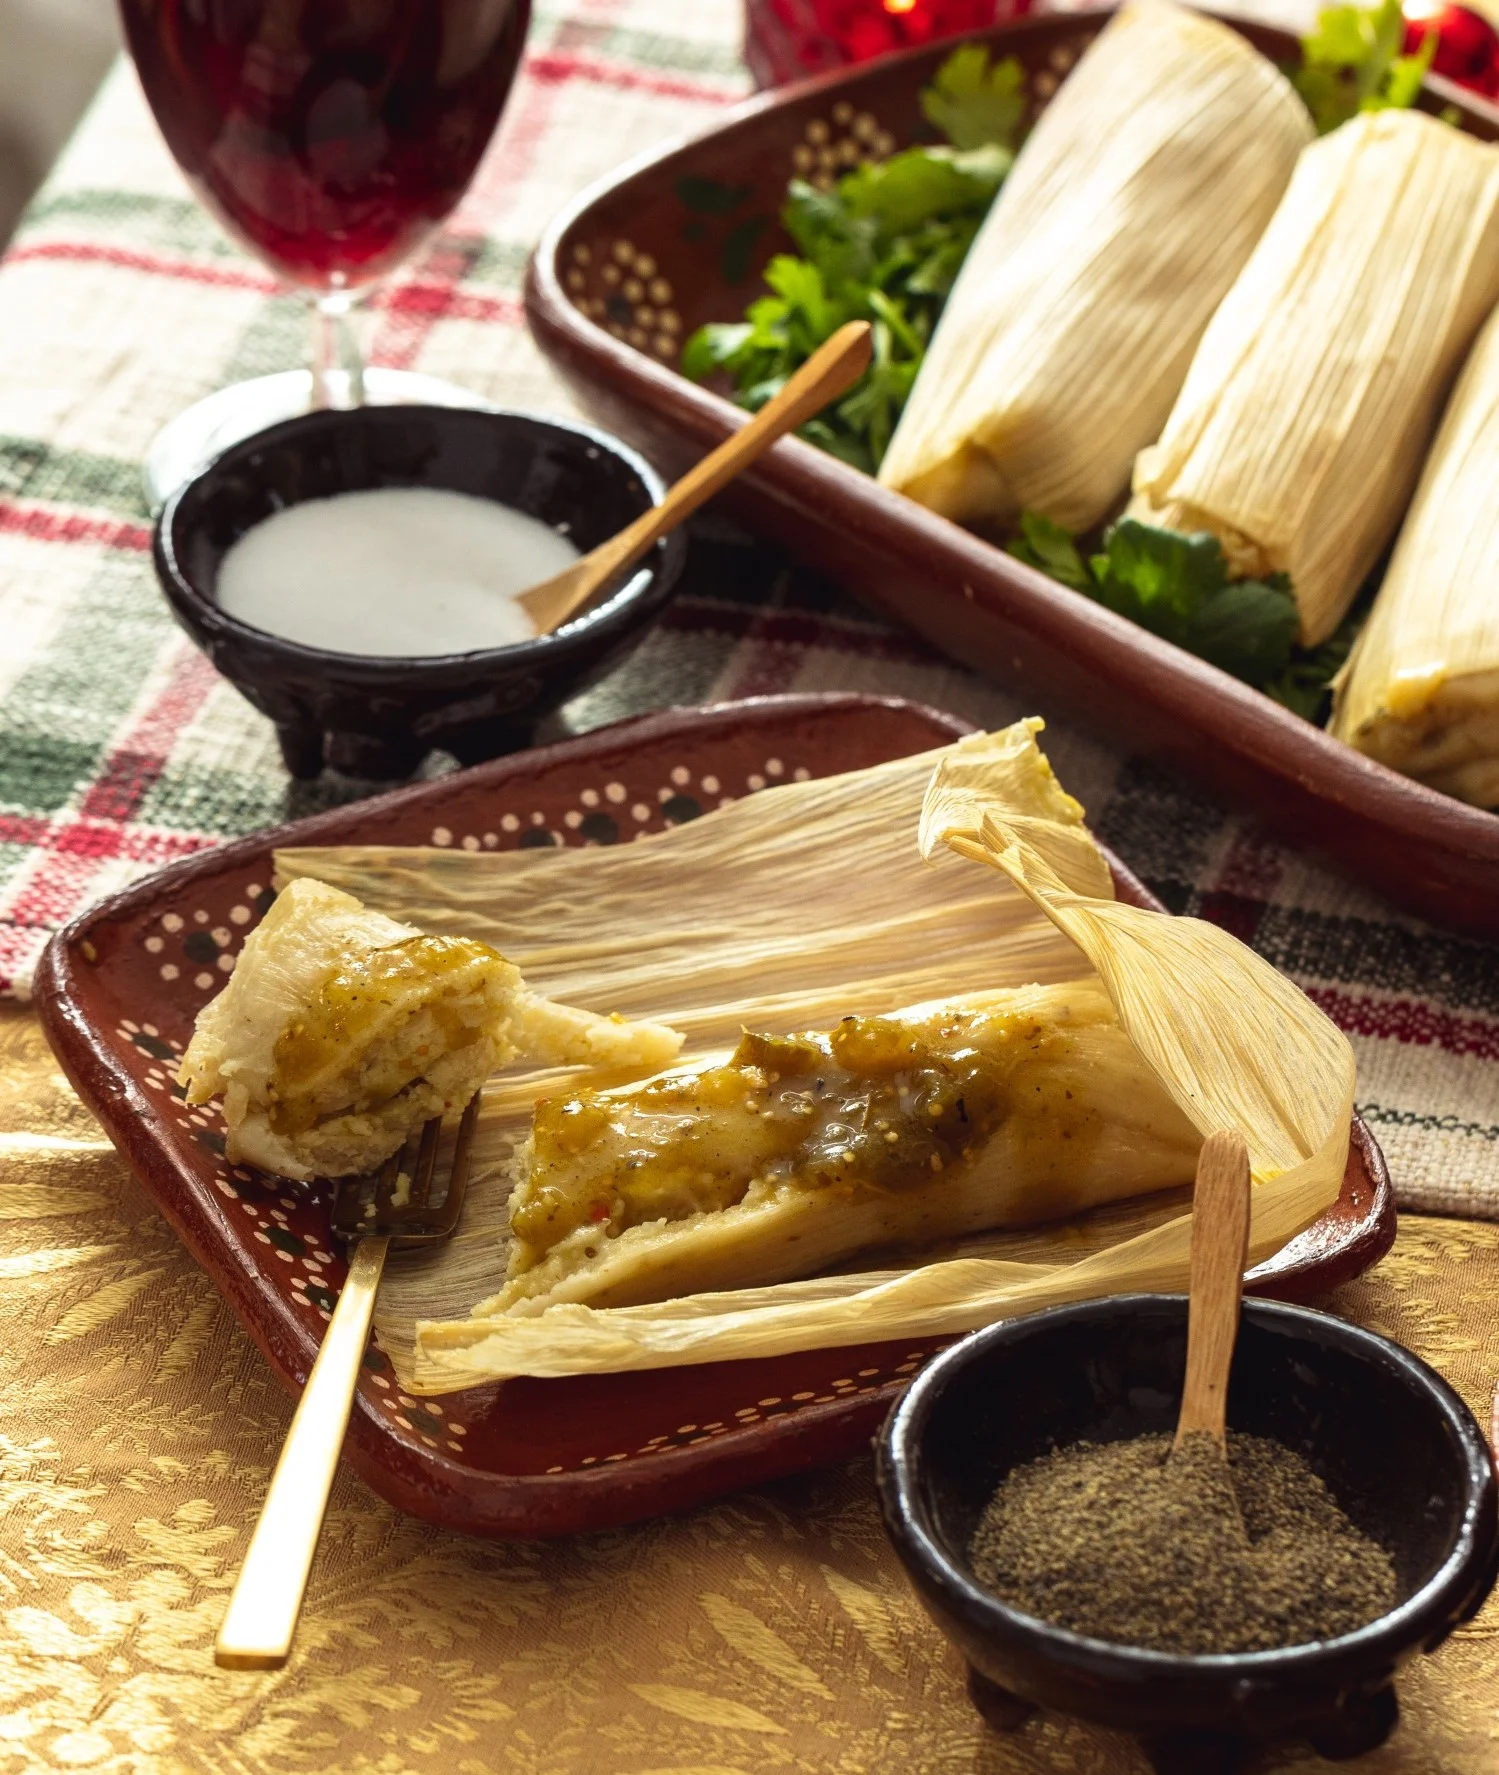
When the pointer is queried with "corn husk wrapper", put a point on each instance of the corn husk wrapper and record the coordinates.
(1130, 210)
(1303, 423)
(1421, 689)
(804, 903)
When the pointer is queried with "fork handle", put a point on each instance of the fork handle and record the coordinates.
(262, 1615)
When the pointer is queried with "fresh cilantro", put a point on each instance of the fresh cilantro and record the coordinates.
(973, 103)
(1051, 549)
(1353, 60)
(883, 245)
(1305, 687)
(1178, 587)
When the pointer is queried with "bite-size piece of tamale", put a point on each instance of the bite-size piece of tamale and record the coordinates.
(996, 1109)
(1421, 689)
(340, 1030)
(1129, 212)
(1302, 425)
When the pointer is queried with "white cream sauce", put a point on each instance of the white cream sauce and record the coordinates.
(393, 571)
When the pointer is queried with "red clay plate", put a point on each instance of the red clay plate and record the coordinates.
(630, 268)
(118, 991)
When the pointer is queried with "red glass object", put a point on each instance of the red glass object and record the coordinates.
(330, 136)
(790, 39)
(1467, 44)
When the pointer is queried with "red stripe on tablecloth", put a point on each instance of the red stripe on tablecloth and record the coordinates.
(18, 519)
(88, 252)
(1408, 1022)
(431, 299)
(132, 770)
(556, 67)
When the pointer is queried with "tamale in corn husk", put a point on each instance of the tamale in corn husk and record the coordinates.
(1130, 210)
(1421, 689)
(1302, 425)
(809, 902)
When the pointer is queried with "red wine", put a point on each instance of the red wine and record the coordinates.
(330, 136)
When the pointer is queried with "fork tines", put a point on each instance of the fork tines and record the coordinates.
(397, 1200)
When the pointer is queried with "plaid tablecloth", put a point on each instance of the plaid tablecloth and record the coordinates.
(120, 748)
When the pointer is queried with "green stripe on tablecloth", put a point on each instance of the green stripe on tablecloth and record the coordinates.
(276, 338)
(163, 224)
(498, 262)
(63, 710)
(40, 771)
(31, 468)
(1410, 1118)
(654, 49)
(194, 797)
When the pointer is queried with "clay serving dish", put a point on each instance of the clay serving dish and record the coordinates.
(118, 991)
(626, 272)
(1393, 1442)
(378, 717)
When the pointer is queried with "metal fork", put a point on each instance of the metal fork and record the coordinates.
(371, 1212)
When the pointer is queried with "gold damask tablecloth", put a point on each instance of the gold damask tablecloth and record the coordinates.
(771, 1631)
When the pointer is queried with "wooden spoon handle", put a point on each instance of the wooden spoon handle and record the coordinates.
(831, 370)
(1220, 1246)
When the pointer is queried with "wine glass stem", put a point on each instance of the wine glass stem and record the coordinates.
(337, 367)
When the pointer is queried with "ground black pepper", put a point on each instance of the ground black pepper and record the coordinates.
(1181, 1555)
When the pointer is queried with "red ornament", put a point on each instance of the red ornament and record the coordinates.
(1467, 44)
(789, 39)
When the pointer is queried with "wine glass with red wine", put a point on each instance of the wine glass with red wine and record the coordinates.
(331, 138)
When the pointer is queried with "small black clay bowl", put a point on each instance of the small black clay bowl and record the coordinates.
(1392, 1441)
(377, 717)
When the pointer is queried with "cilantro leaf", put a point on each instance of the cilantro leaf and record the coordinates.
(972, 102)
(1177, 586)
(1352, 61)
(883, 245)
(911, 187)
(1051, 549)
(1305, 686)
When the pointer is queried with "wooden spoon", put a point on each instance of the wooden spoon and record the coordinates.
(1220, 1246)
(831, 370)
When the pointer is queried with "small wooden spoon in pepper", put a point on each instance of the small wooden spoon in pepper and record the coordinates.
(1220, 1246)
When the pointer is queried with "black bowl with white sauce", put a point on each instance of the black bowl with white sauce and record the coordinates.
(372, 629)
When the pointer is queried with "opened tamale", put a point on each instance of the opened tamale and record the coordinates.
(994, 1109)
(1130, 210)
(788, 912)
(1301, 428)
(1421, 690)
(340, 1030)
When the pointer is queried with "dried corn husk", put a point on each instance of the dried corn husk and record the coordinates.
(1301, 428)
(1421, 690)
(811, 900)
(1129, 212)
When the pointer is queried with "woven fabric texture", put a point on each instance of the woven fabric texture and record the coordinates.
(121, 749)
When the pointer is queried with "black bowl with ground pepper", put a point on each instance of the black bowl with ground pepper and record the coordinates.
(1397, 1454)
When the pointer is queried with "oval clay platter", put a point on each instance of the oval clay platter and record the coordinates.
(625, 273)
(118, 991)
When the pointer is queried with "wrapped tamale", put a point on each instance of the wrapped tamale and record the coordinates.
(340, 1030)
(1421, 690)
(1129, 212)
(1301, 427)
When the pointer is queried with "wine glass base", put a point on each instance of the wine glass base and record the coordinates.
(205, 430)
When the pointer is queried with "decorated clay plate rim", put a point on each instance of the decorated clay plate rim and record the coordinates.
(425, 1479)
